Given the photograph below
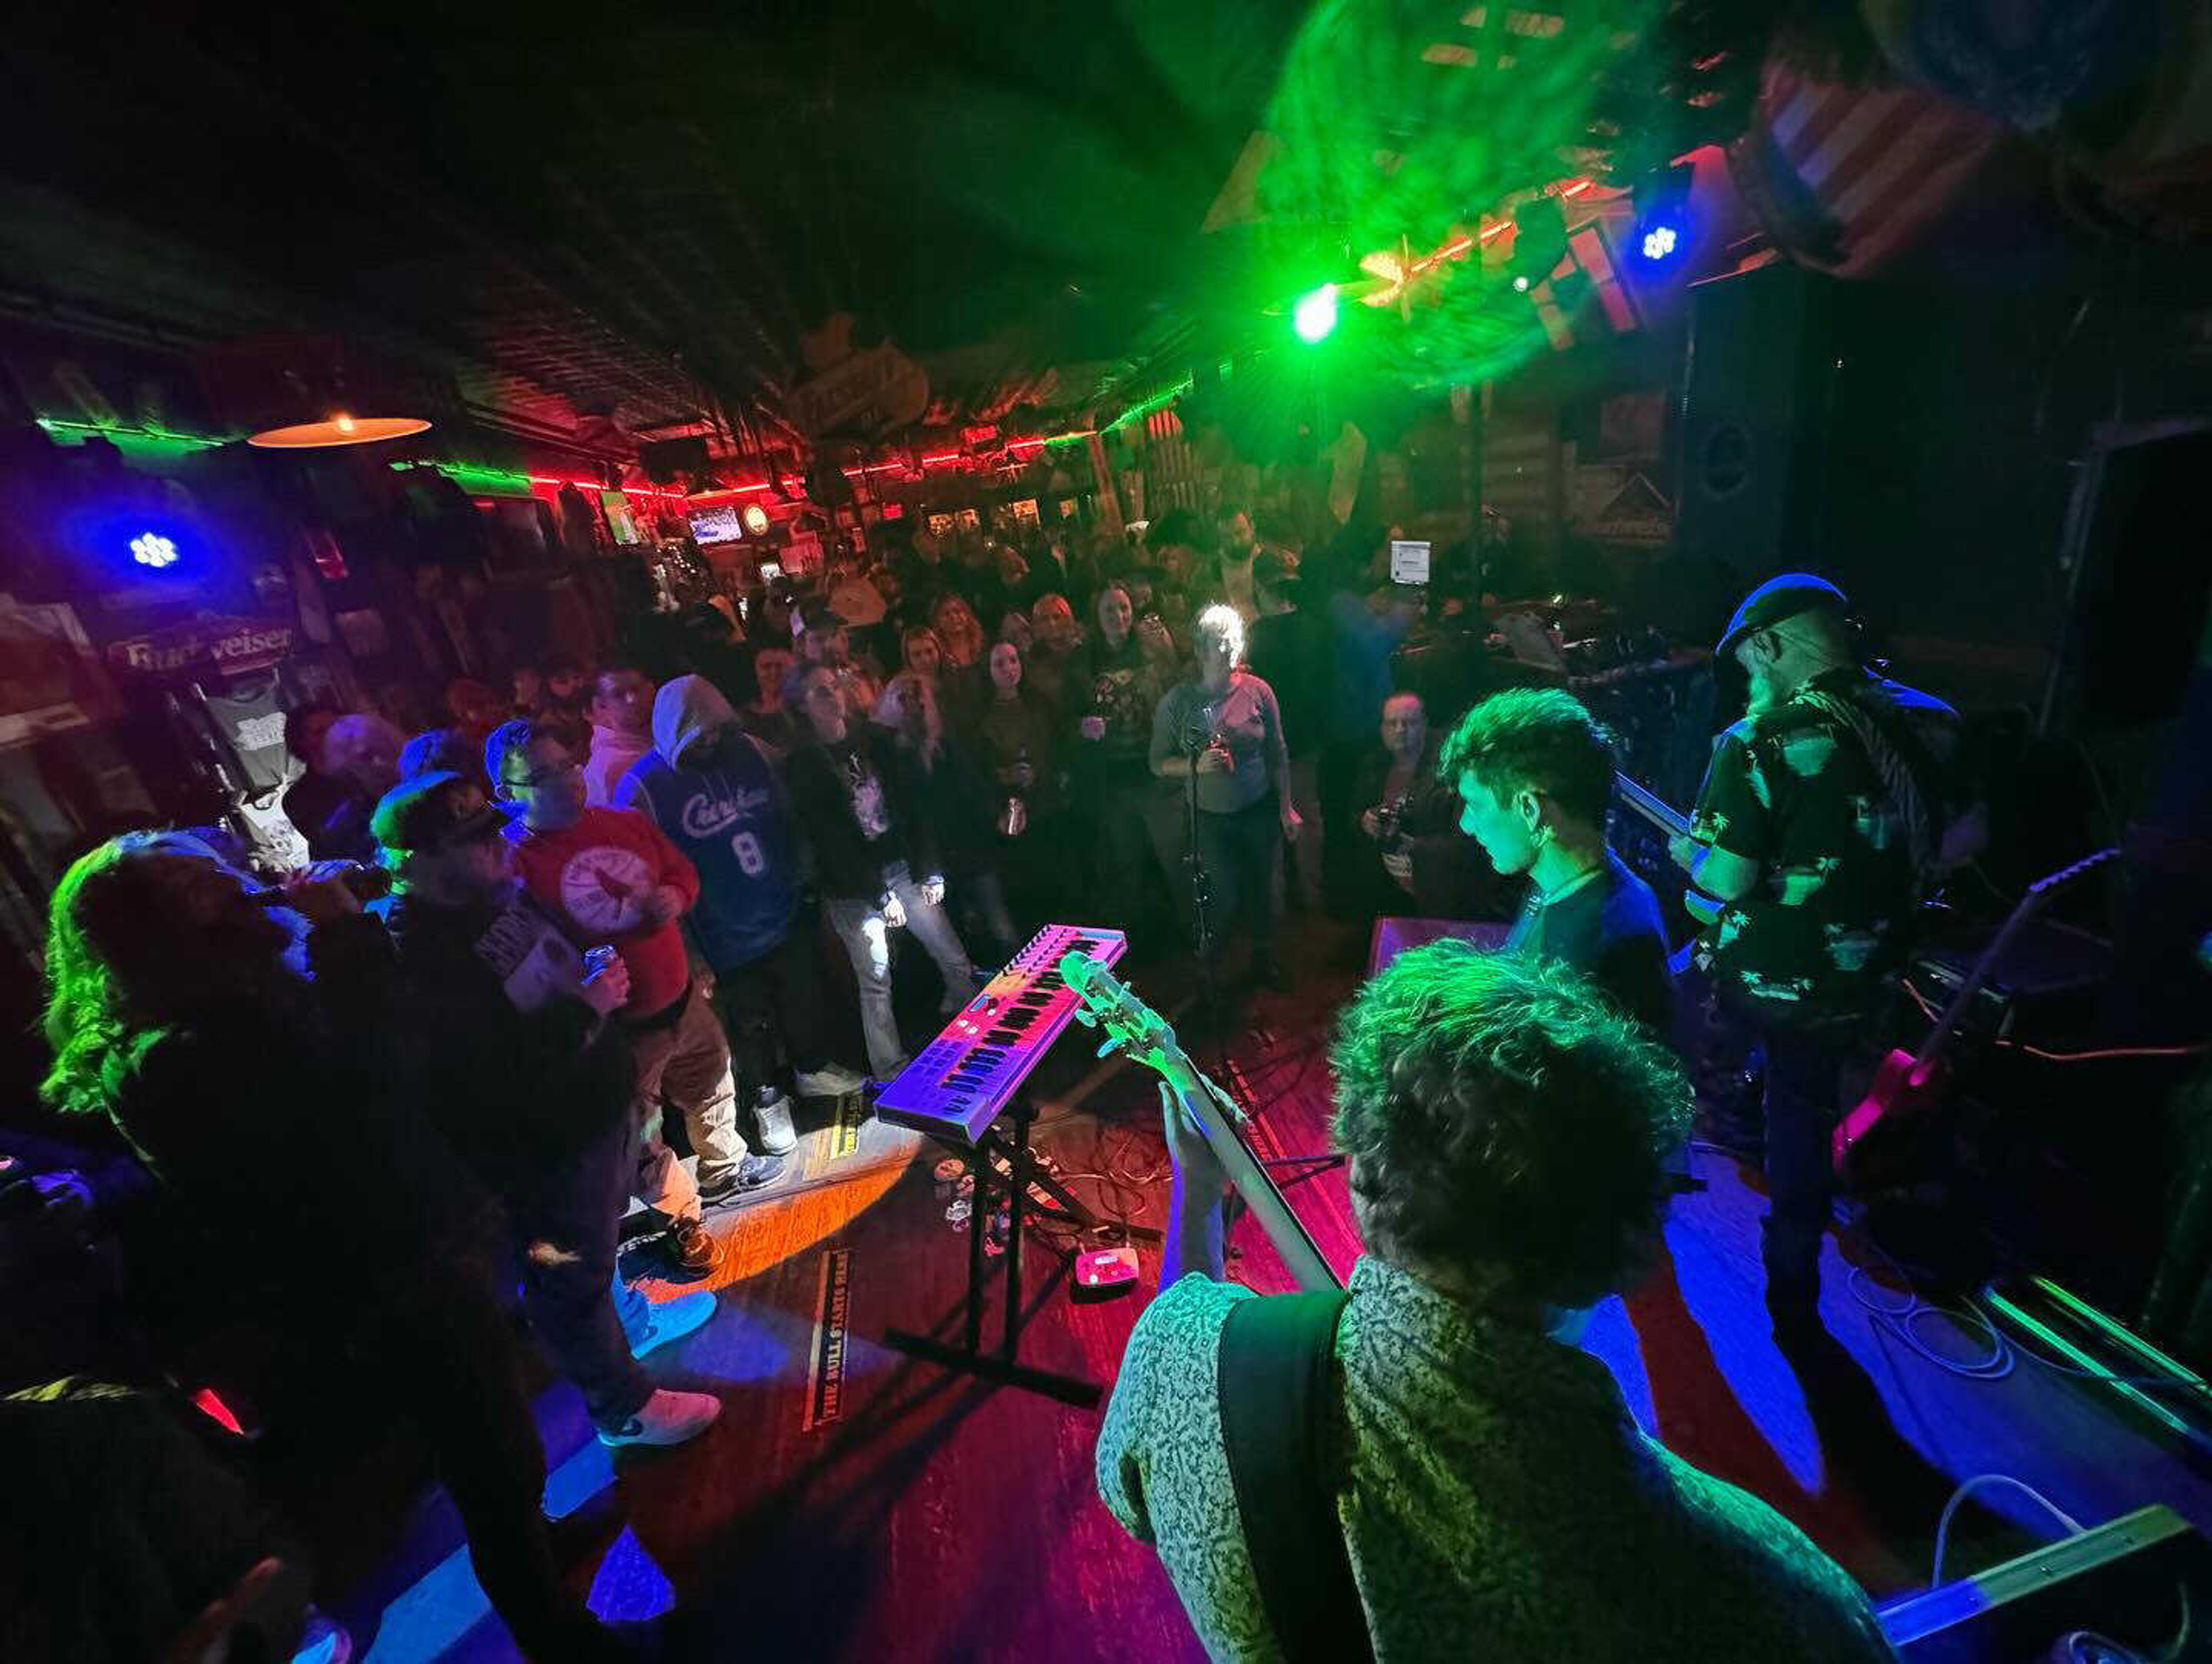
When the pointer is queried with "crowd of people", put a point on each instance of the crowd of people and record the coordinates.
(1135, 703)
(610, 896)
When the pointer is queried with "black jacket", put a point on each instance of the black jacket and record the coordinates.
(849, 863)
(515, 1089)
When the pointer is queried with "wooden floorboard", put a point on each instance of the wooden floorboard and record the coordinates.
(939, 1518)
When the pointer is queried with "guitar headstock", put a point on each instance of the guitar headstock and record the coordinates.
(1131, 1026)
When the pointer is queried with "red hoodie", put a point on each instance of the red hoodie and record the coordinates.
(595, 876)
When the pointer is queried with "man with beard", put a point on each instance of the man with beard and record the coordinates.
(1822, 812)
(533, 1080)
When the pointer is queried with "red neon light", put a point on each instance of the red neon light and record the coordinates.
(597, 485)
(943, 456)
(1577, 187)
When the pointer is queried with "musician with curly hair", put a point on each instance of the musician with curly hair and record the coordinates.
(1433, 1470)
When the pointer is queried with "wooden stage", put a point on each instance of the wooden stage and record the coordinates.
(895, 1511)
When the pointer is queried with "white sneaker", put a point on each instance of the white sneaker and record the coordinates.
(831, 1081)
(666, 1418)
(773, 1115)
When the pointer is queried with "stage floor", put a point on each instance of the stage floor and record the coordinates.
(898, 1511)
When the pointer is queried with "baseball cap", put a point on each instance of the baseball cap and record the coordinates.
(433, 811)
(1779, 598)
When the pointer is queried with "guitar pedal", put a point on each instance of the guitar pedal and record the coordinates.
(1104, 1274)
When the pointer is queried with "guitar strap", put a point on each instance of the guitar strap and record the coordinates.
(1276, 1376)
(1908, 773)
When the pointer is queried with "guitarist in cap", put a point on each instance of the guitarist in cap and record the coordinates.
(1823, 812)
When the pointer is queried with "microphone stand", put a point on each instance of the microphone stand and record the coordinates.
(1200, 881)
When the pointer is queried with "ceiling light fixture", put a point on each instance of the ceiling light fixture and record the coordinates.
(335, 430)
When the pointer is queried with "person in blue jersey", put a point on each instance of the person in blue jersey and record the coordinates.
(708, 786)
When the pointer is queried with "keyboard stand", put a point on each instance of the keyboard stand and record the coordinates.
(1002, 1366)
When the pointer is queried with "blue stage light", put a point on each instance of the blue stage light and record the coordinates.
(1660, 241)
(153, 549)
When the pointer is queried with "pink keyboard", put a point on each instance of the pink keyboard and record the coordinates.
(961, 1079)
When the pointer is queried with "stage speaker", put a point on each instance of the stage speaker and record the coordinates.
(1756, 387)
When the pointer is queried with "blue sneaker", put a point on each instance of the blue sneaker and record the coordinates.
(672, 1319)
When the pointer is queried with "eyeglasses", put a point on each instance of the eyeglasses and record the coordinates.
(546, 776)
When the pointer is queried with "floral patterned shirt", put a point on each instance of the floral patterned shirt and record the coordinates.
(1796, 791)
(1496, 1498)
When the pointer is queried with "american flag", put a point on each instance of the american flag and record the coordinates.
(1848, 178)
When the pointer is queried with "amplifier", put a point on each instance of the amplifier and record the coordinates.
(2048, 984)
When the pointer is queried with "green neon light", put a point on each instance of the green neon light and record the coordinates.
(2118, 1332)
(123, 435)
(1144, 407)
(2101, 1372)
(472, 478)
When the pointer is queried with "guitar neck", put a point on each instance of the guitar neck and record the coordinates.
(1660, 813)
(1216, 1119)
(1141, 1034)
(1978, 975)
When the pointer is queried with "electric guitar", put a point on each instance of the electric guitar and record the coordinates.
(1672, 821)
(1909, 1084)
(1138, 1032)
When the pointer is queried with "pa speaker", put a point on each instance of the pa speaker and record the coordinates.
(1755, 398)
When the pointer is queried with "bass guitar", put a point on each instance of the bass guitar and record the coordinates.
(1675, 824)
(1139, 1033)
(1908, 1084)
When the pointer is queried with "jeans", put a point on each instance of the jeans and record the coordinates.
(859, 925)
(446, 1358)
(979, 903)
(1243, 852)
(1804, 1066)
(688, 1063)
(777, 1002)
(565, 1216)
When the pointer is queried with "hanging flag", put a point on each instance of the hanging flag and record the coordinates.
(1847, 180)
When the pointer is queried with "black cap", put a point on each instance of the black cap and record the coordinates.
(433, 811)
(1780, 598)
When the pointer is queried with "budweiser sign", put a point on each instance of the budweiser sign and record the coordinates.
(229, 647)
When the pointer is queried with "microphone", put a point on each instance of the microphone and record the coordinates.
(1198, 733)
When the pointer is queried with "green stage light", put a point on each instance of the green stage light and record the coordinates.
(1314, 314)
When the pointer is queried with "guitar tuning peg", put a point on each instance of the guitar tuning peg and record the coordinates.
(1083, 1015)
(1112, 1046)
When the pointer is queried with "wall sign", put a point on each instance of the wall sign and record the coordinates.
(229, 647)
